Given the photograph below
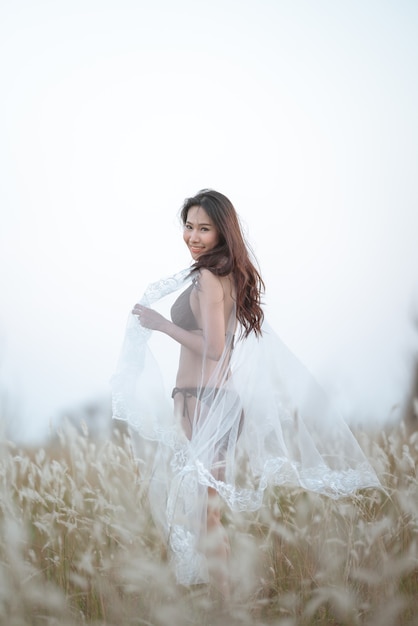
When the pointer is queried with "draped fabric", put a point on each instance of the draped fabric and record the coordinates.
(255, 418)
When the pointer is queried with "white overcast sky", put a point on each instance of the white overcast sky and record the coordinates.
(111, 112)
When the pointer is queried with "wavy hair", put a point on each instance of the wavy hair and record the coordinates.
(232, 255)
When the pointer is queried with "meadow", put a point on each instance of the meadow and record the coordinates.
(78, 545)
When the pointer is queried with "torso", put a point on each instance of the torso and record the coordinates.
(181, 312)
(191, 364)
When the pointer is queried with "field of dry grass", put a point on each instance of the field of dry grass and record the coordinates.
(78, 546)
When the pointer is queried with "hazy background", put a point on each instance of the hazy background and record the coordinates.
(303, 112)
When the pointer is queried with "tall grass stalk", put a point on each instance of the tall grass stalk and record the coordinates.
(78, 545)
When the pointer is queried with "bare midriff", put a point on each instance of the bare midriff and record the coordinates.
(195, 370)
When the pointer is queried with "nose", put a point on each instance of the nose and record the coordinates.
(194, 236)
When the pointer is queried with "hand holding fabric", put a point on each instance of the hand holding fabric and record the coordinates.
(149, 318)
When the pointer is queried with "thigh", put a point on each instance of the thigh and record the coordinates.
(184, 411)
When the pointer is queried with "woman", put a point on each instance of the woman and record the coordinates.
(240, 399)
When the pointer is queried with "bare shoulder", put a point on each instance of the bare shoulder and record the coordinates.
(220, 286)
(207, 280)
(208, 277)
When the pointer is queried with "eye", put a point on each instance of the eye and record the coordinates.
(187, 227)
(205, 229)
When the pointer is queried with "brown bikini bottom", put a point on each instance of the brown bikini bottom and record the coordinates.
(189, 392)
(195, 392)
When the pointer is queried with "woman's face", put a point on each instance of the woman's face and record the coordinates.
(200, 233)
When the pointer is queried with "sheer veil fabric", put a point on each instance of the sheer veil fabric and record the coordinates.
(254, 418)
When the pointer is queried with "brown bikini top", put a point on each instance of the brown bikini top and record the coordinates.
(181, 311)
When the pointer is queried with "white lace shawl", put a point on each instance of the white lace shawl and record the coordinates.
(261, 411)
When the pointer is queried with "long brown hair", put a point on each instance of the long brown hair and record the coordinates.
(231, 255)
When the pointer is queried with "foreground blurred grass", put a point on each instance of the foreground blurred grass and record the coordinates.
(78, 546)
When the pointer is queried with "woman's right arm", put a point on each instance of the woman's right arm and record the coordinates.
(210, 344)
(154, 321)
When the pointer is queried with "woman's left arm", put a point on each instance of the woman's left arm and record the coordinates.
(212, 304)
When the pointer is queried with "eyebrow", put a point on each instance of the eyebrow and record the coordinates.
(199, 223)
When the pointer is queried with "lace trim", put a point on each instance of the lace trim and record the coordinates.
(187, 477)
(188, 562)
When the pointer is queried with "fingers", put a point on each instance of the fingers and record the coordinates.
(144, 314)
(147, 317)
(137, 310)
